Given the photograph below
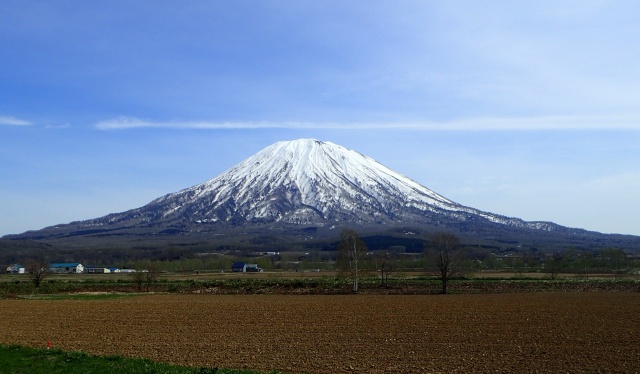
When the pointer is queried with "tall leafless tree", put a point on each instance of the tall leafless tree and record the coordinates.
(553, 264)
(145, 276)
(385, 265)
(444, 254)
(38, 270)
(351, 253)
(138, 278)
(151, 275)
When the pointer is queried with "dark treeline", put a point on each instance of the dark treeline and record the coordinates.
(398, 254)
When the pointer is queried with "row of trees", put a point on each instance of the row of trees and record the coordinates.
(443, 251)
(443, 255)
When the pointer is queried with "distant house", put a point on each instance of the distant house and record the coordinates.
(239, 267)
(114, 270)
(16, 269)
(66, 267)
(96, 270)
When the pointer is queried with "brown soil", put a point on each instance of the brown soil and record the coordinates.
(539, 332)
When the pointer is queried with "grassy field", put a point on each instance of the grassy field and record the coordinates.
(19, 286)
(17, 360)
(507, 332)
(201, 276)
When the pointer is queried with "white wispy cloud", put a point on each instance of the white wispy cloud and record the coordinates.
(12, 121)
(62, 126)
(630, 122)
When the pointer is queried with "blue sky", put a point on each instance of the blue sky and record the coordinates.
(529, 110)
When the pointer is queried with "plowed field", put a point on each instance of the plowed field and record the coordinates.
(539, 332)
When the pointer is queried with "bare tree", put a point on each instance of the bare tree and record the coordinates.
(553, 264)
(145, 277)
(385, 266)
(38, 270)
(150, 275)
(351, 253)
(138, 278)
(443, 250)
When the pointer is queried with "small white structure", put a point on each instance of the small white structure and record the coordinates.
(96, 270)
(16, 269)
(66, 267)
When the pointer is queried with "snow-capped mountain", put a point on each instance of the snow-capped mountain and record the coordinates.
(306, 182)
(297, 193)
(294, 191)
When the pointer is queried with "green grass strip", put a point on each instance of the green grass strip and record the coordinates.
(17, 360)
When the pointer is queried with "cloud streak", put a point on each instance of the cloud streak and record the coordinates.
(478, 124)
(12, 121)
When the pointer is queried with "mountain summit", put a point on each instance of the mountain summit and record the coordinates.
(302, 182)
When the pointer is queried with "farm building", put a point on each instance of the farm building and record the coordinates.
(66, 267)
(96, 270)
(16, 269)
(243, 267)
(253, 268)
(239, 267)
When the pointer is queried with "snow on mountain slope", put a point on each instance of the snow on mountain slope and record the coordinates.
(308, 182)
(312, 179)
